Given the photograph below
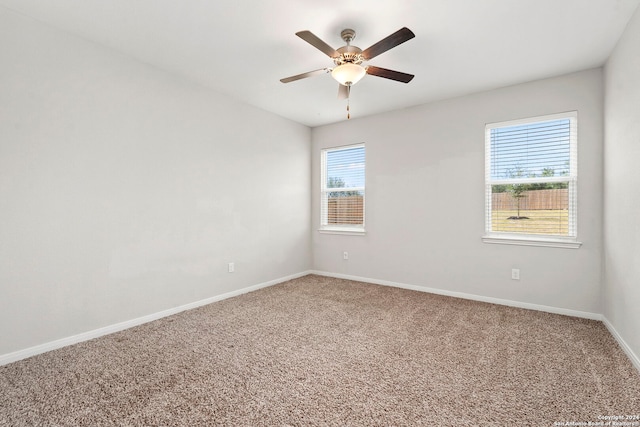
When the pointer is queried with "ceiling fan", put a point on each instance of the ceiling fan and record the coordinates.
(348, 60)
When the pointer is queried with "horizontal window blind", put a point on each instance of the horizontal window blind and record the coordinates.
(343, 187)
(531, 150)
(531, 176)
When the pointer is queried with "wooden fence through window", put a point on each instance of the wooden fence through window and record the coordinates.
(555, 199)
(345, 210)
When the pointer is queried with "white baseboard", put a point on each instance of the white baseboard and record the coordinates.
(463, 295)
(85, 336)
(635, 360)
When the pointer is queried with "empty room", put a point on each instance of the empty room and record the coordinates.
(320, 213)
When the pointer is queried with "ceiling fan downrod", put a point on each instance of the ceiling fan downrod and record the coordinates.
(348, 35)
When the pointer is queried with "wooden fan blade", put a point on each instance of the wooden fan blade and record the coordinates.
(343, 92)
(314, 41)
(389, 74)
(304, 75)
(389, 42)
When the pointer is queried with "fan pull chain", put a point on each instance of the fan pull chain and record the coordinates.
(348, 98)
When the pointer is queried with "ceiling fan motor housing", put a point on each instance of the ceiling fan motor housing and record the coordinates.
(349, 54)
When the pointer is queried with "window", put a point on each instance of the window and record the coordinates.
(342, 189)
(530, 181)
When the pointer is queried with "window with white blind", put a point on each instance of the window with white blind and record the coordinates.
(531, 176)
(342, 189)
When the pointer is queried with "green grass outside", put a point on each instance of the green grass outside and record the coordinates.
(554, 222)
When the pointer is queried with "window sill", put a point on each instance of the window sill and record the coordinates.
(343, 231)
(532, 241)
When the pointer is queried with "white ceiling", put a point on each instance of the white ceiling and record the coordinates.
(242, 48)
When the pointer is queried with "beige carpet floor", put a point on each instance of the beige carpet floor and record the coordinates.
(327, 352)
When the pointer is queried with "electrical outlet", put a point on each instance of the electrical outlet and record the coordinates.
(232, 267)
(345, 255)
(515, 274)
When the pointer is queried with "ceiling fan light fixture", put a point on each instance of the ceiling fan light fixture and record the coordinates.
(348, 74)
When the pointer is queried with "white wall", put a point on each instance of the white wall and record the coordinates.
(621, 287)
(425, 198)
(125, 190)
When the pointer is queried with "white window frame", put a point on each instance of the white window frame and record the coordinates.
(525, 239)
(324, 192)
